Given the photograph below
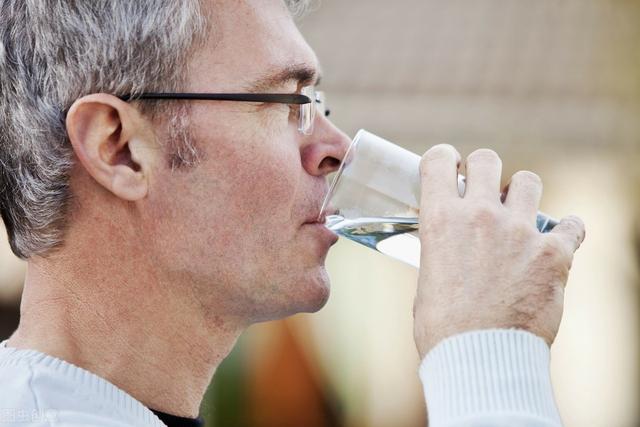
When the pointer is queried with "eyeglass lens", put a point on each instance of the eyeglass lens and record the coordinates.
(308, 111)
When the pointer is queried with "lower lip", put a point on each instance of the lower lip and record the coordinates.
(326, 234)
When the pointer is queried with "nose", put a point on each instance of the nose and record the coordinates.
(323, 150)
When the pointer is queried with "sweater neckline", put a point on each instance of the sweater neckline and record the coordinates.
(100, 387)
(176, 421)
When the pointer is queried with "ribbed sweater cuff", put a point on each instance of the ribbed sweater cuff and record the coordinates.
(488, 373)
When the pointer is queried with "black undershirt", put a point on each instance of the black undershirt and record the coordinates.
(173, 421)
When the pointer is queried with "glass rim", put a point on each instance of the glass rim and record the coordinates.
(338, 173)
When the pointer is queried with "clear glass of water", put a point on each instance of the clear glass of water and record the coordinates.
(374, 198)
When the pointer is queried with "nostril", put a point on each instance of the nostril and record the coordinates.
(329, 163)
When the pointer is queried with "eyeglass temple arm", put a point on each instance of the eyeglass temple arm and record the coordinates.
(277, 98)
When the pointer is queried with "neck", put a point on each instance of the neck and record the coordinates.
(130, 328)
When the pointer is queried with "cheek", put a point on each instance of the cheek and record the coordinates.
(230, 215)
(262, 186)
(257, 166)
(239, 200)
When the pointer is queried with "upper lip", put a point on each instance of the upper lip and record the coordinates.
(315, 219)
(320, 219)
(316, 215)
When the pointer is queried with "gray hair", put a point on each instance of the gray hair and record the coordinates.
(300, 7)
(54, 52)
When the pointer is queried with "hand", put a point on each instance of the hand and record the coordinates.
(483, 263)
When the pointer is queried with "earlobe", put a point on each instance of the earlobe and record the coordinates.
(105, 133)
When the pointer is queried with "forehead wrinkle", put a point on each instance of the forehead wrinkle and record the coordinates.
(301, 73)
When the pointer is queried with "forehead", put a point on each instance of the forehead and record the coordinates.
(249, 39)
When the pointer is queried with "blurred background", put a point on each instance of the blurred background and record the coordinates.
(554, 87)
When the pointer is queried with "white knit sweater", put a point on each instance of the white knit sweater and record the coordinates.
(489, 378)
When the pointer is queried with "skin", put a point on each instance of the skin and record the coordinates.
(483, 262)
(162, 270)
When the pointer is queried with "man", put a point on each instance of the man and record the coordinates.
(157, 230)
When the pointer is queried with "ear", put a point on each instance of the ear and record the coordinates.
(111, 140)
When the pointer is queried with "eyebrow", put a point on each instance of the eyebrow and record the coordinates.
(301, 73)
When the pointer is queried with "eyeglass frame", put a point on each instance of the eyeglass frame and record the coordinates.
(306, 113)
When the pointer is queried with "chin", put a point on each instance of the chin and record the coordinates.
(306, 295)
(314, 299)
(317, 291)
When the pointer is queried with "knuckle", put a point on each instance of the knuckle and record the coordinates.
(554, 252)
(550, 249)
(483, 214)
(484, 155)
(437, 211)
(434, 217)
(573, 228)
(522, 231)
(576, 224)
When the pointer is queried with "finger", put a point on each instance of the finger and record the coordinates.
(484, 169)
(523, 195)
(439, 173)
(571, 232)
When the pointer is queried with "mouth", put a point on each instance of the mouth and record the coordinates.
(321, 233)
(315, 224)
(322, 217)
(319, 220)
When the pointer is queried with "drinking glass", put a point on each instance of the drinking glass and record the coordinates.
(374, 198)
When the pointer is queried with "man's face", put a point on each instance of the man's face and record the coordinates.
(231, 232)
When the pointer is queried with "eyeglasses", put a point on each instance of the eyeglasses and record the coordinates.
(309, 101)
